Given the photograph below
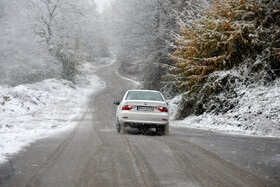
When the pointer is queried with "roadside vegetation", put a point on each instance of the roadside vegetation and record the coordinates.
(140, 32)
(239, 37)
(200, 49)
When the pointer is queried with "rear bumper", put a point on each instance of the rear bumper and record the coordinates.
(143, 119)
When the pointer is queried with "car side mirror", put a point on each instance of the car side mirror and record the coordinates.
(117, 102)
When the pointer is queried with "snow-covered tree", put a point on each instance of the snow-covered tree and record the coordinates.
(22, 59)
(47, 11)
(232, 34)
(141, 30)
(43, 39)
(132, 32)
(224, 37)
(70, 30)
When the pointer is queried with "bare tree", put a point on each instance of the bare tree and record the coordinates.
(48, 27)
(48, 10)
(68, 28)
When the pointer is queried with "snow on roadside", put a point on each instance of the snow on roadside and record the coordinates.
(32, 111)
(136, 83)
(257, 113)
(173, 106)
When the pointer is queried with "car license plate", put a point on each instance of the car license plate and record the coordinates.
(145, 108)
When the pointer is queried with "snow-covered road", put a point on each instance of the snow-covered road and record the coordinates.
(93, 154)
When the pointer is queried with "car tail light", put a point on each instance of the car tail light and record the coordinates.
(162, 109)
(128, 107)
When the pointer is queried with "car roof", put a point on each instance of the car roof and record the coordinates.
(144, 90)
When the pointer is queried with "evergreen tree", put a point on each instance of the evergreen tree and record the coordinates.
(229, 33)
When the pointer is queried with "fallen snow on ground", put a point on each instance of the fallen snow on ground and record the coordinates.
(258, 113)
(173, 106)
(32, 111)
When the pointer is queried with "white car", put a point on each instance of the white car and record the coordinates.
(142, 109)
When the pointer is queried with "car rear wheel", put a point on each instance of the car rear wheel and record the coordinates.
(162, 131)
(118, 127)
(122, 130)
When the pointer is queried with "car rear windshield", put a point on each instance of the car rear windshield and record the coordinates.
(142, 95)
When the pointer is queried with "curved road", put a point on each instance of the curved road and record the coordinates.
(93, 154)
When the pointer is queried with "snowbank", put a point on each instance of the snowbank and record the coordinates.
(257, 113)
(32, 111)
(173, 106)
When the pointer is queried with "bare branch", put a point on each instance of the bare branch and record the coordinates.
(48, 10)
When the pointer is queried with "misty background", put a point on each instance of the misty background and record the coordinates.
(43, 39)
